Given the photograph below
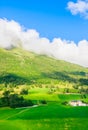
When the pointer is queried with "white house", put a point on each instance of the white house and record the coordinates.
(77, 103)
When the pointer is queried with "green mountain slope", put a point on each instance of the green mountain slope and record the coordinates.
(22, 67)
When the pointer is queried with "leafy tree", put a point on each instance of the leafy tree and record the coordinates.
(16, 101)
(6, 93)
(75, 86)
(66, 90)
(86, 90)
(82, 90)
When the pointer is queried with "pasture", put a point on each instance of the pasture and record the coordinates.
(53, 115)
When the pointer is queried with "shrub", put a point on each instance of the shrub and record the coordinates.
(66, 90)
(75, 86)
(24, 92)
(43, 102)
(65, 103)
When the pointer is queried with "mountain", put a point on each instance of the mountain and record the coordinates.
(22, 67)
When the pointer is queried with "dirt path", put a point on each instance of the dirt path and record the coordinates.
(25, 109)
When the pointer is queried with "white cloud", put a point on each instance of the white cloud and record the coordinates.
(80, 7)
(12, 34)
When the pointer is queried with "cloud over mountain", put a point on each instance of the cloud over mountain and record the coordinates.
(12, 34)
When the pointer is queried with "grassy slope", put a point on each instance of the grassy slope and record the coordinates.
(26, 67)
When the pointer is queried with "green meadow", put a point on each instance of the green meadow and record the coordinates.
(53, 115)
(44, 117)
(50, 85)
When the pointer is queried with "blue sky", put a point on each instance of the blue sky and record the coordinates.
(50, 18)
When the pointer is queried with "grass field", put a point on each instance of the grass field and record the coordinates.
(46, 124)
(51, 116)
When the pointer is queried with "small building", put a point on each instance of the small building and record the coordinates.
(77, 103)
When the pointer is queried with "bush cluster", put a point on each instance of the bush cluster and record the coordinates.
(14, 100)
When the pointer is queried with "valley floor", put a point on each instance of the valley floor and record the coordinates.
(52, 116)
